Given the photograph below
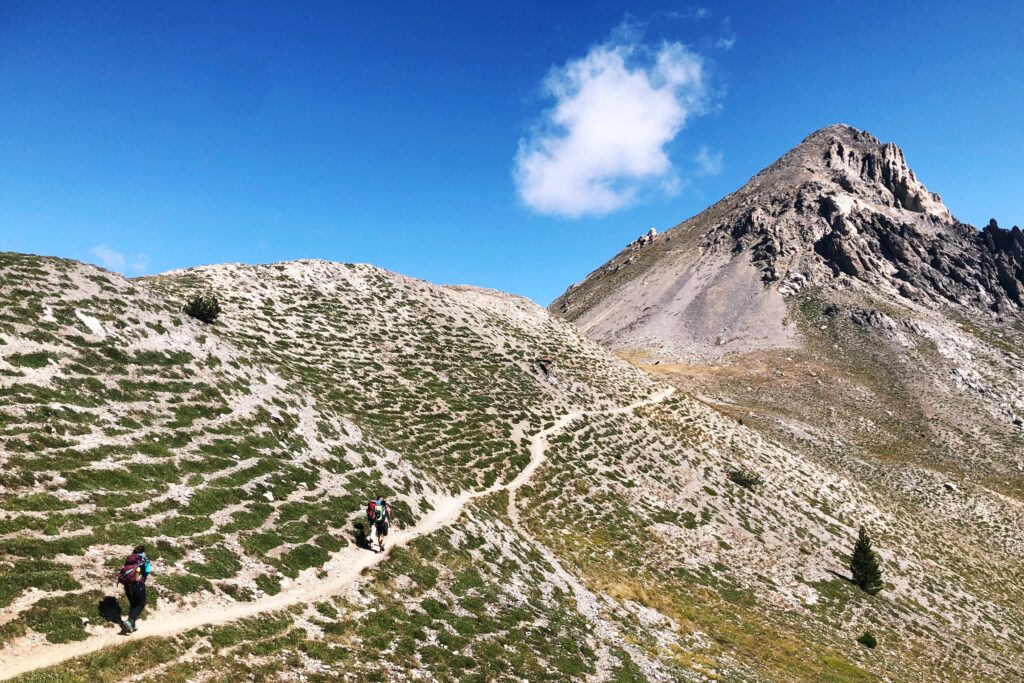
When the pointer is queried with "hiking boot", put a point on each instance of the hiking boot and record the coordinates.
(132, 626)
(126, 630)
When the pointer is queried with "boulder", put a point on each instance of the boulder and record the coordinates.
(870, 317)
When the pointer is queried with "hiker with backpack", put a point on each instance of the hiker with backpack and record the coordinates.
(133, 575)
(378, 516)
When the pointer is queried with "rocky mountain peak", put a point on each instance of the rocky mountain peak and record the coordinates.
(854, 162)
(840, 211)
(843, 203)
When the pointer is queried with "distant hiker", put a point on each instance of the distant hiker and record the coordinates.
(378, 516)
(133, 577)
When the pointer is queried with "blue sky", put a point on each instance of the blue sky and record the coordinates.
(508, 145)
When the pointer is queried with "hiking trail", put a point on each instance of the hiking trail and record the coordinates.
(344, 568)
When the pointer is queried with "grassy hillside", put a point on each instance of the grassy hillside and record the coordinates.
(242, 453)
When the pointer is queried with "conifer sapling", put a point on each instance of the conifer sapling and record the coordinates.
(865, 566)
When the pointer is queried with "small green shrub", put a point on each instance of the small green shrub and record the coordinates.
(167, 552)
(868, 640)
(253, 629)
(243, 594)
(37, 502)
(29, 360)
(203, 308)
(270, 585)
(745, 478)
(327, 609)
(303, 557)
(864, 566)
(220, 563)
(183, 584)
(261, 543)
(183, 525)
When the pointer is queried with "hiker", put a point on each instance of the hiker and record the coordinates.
(378, 515)
(133, 577)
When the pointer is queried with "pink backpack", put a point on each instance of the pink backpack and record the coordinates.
(131, 571)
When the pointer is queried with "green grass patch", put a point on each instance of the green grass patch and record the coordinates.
(45, 575)
(60, 617)
(184, 584)
(220, 563)
(34, 360)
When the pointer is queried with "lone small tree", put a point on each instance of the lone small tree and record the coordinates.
(868, 640)
(203, 308)
(864, 566)
(744, 478)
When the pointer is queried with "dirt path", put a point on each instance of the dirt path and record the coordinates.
(589, 604)
(343, 569)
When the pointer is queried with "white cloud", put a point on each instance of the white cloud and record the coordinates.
(603, 142)
(693, 13)
(728, 37)
(115, 260)
(708, 162)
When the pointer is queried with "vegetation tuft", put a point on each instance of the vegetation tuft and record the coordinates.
(203, 308)
(745, 478)
(868, 640)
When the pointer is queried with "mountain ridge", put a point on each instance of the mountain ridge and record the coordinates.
(839, 210)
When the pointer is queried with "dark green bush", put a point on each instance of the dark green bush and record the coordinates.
(868, 640)
(60, 617)
(303, 557)
(745, 478)
(29, 360)
(270, 585)
(38, 573)
(203, 308)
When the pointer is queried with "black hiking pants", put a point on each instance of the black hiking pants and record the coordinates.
(136, 593)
